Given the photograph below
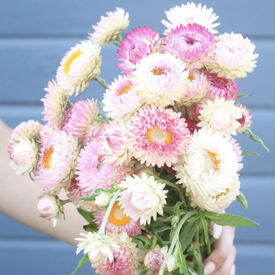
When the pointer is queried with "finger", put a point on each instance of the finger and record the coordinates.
(227, 266)
(221, 251)
(216, 230)
(233, 270)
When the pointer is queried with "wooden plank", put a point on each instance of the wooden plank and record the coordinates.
(74, 17)
(28, 64)
(262, 121)
(51, 258)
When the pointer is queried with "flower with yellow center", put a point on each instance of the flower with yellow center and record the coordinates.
(80, 65)
(209, 171)
(57, 160)
(158, 136)
(118, 221)
(121, 99)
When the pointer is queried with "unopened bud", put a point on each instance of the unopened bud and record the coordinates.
(102, 200)
(171, 263)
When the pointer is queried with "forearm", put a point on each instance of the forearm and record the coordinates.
(18, 199)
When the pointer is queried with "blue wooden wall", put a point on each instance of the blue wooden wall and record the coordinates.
(34, 35)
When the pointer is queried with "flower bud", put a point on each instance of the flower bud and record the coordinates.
(102, 200)
(48, 207)
(171, 263)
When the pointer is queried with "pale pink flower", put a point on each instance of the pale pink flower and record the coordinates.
(93, 173)
(118, 221)
(234, 56)
(121, 99)
(115, 147)
(245, 121)
(193, 43)
(158, 136)
(109, 28)
(198, 86)
(56, 103)
(161, 79)
(237, 149)
(81, 117)
(56, 163)
(191, 13)
(143, 198)
(221, 87)
(138, 43)
(45, 131)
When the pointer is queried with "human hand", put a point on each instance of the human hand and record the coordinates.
(221, 261)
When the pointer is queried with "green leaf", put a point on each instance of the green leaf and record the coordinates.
(204, 224)
(229, 219)
(250, 154)
(242, 200)
(244, 95)
(91, 227)
(181, 260)
(192, 271)
(255, 138)
(199, 263)
(145, 240)
(84, 260)
(87, 215)
(187, 233)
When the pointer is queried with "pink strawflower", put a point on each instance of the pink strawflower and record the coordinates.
(118, 221)
(221, 87)
(192, 125)
(80, 118)
(198, 86)
(57, 160)
(194, 110)
(158, 136)
(123, 263)
(155, 258)
(56, 103)
(115, 143)
(93, 173)
(192, 43)
(138, 43)
(245, 120)
(121, 99)
(45, 131)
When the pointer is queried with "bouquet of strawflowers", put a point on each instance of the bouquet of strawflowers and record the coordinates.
(153, 165)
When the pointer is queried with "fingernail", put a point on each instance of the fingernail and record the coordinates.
(217, 231)
(209, 268)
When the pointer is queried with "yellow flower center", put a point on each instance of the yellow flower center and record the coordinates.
(215, 159)
(47, 158)
(191, 77)
(158, 71)
(70, 61)
(117, 217)
(221, 194)
(125, 89)
(156, 134)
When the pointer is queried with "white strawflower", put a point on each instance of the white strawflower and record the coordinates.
(24, 156)
(190, 13)
(209, 169)
(161, 79)
(221, 116)
(99, 246)
(110, 27)
(235, 56)
(79, 66)
(143, 197)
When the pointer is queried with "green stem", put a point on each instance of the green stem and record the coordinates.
(111, 204)
(101, 81)
(174, 240)
(176, 187)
